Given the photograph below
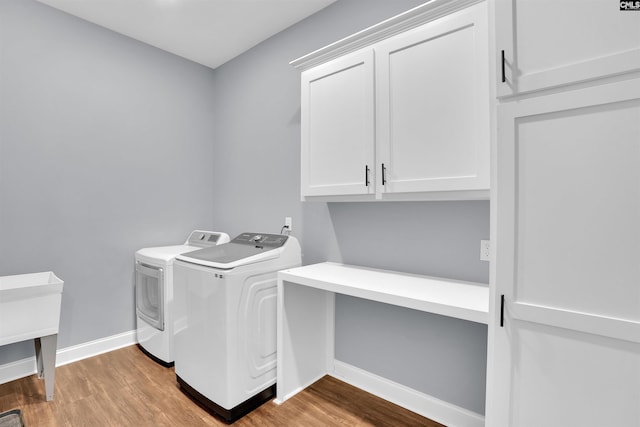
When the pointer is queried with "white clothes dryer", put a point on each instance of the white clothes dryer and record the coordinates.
(225, 321)
(154, 293)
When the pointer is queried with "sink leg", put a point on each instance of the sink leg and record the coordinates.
(38, 346)
(46, 360)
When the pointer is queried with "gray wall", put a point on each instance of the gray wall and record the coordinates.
(108, 145)
(105, 147)
(258, 136)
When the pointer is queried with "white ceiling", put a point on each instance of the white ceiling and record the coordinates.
(210, 32)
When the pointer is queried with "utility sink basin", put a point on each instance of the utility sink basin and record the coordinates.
(29, 306)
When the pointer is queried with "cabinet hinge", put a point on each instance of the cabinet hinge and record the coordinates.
(502, 310)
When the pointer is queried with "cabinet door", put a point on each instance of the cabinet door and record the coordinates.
(433, 106)
(568, 245)
(338, 127)
(550, 43)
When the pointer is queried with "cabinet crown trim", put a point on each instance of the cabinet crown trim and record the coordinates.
(408, 20)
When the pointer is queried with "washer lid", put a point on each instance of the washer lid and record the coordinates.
(247, 248)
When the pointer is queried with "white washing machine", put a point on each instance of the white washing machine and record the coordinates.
(225, 321)
(154, 293)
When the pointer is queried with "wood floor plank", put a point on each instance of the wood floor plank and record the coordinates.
(126, 388)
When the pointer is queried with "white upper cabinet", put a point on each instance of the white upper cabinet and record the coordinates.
(338, 126)
(433, 106)
(549, 43)
(400, 111)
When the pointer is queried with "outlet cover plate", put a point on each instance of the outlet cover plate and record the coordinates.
(485, 250)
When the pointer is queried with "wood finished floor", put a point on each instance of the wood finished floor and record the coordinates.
(126, 388)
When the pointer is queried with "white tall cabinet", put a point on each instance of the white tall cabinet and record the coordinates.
(549, 43)
(568, 251)
(564, 338)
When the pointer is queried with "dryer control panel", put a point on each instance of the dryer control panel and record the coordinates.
(261, 239)
(204, 239)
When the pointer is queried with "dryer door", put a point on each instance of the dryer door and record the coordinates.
(150, 294)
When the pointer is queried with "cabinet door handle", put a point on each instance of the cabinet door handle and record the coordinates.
(504, 77)
(502, 310)
(384, 174)
(366, 175)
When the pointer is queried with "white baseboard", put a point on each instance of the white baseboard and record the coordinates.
(420, 403)
(94, 348)
(25, 367)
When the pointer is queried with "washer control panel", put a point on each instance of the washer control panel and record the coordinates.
(261, 239)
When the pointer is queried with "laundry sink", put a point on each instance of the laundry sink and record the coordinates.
(29, 306)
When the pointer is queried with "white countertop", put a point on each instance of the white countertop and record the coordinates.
(453, 298)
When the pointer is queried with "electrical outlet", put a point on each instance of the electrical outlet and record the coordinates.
(288, 222)
(485, 250)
